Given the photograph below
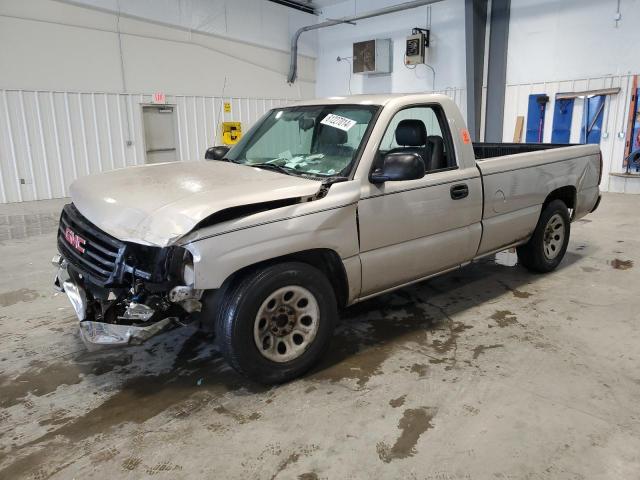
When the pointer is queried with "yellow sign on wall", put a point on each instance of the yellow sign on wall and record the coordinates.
(231, 132)
(227, 107)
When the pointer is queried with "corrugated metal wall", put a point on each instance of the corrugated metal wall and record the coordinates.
(48, 139)
(614, 126)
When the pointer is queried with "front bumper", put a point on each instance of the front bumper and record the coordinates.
(113, 335)
(96, 334)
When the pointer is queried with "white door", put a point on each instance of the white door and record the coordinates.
(159, 133)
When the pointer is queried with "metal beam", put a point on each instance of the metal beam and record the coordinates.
(293, 66)
(305, 7)
(475, 19)
(587, 93)
(497, 69)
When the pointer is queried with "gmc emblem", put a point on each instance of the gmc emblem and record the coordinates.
(74, 240)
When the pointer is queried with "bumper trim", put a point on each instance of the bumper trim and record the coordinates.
(595, 207)
(78, 298)
(63, 283)
(114, 335)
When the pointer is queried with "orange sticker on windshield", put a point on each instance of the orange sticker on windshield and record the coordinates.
(466, 138)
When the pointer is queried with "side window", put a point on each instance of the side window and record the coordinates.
(420, 130)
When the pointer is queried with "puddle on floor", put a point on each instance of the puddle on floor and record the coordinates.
(414, 422)
(22, 295)
(18, 227)
(621, 264)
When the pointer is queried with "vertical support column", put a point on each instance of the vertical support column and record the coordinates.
(475, 20)
(497, 69)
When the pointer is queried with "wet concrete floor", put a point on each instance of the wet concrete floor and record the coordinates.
(486, 372)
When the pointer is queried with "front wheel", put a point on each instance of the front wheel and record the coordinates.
(548, 244)
(276, 322)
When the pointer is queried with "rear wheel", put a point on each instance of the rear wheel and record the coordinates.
(548, 244)
(275, 323)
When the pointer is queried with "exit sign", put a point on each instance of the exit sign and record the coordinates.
(159, 97)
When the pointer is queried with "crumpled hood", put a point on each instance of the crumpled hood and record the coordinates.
(156, 204)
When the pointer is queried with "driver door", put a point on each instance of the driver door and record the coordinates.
(412, 229)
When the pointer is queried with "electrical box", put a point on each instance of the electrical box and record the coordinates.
(231, 132)
(372, 56)
(416, 47)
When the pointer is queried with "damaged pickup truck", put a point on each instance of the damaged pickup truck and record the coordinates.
(319, 206)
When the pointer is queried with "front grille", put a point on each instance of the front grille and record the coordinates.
(102, 259)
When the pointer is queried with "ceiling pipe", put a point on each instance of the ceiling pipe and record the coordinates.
(293, 65)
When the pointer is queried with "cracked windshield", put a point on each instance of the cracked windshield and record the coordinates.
(320, 140)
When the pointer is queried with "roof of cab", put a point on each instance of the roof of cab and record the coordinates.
(378, 99)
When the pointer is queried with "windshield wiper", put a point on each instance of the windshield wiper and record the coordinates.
(272, 166)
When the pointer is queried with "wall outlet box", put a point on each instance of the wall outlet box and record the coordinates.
(416, 47)
(372, 56)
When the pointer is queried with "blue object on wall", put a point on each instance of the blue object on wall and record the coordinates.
(633, 161)
(562, 115)
(635, 136)
(592, 119)
(535, 117)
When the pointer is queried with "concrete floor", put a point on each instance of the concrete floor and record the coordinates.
(487, 372)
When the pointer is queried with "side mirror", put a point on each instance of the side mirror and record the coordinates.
(216, 153)
(399, 166)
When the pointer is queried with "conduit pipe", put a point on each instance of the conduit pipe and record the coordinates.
(293, 65)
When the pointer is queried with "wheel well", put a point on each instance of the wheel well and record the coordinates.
(324, 259)
(566, 194)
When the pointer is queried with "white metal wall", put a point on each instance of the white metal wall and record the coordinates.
(614, 125)
(48, 139)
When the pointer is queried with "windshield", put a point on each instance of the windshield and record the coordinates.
(318, 140)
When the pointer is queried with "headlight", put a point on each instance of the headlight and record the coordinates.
(188, 273)
(181, 266)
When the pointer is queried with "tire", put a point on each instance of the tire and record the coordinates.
(251, 330)
(546, 248)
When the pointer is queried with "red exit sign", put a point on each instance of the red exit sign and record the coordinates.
(159, 97)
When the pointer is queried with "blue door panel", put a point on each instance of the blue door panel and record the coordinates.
(562, 115)
(535, 117)
(592, 119)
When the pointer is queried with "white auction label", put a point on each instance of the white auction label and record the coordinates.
(337, 121)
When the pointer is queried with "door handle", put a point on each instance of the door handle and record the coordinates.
(459, 191)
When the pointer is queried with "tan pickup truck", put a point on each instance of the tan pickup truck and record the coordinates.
(319, 206)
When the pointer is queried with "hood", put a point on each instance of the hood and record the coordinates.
(157, 204)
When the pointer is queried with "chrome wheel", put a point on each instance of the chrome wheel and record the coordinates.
(286, 324)
(554, 236)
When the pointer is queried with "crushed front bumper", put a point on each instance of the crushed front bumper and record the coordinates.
(110, 334)
(95, 334)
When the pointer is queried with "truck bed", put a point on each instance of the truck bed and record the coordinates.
(516, 179)
(483, 151)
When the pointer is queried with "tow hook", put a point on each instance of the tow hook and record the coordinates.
(187, 297)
